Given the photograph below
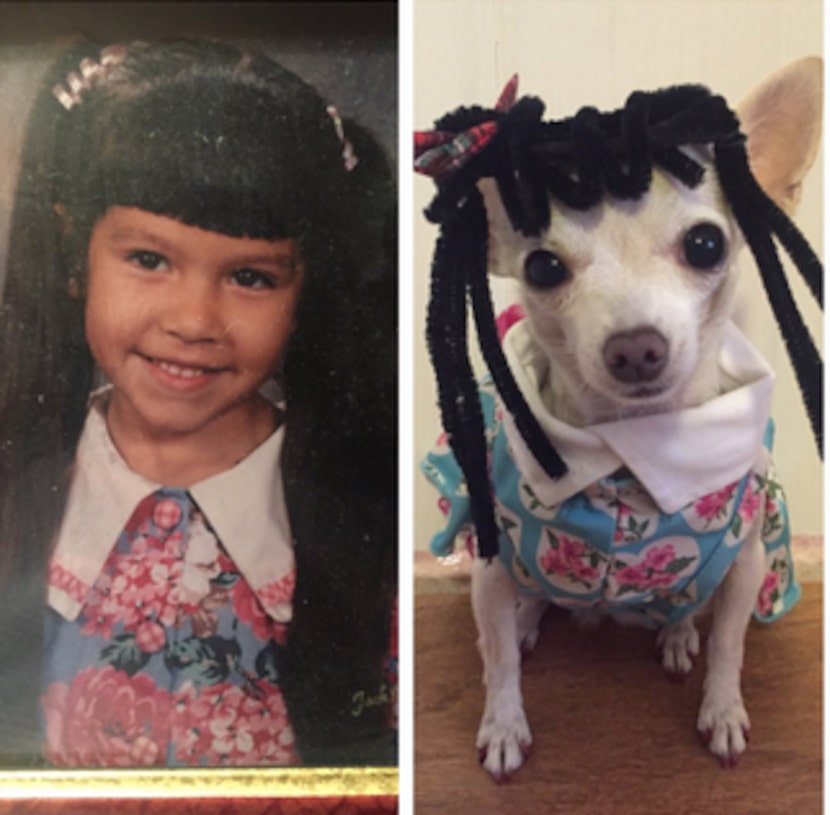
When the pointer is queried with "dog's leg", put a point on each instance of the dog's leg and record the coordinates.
(529, 612)
(504, 736)
(723, 721)
(680, 645)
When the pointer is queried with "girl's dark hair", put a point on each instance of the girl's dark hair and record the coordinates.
(229, 141)
(577, 161)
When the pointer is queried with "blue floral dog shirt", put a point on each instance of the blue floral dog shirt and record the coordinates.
(645, 531)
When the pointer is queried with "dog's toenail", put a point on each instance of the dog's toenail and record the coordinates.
(729, 762)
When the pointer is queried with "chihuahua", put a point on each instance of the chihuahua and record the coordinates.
(629, 304)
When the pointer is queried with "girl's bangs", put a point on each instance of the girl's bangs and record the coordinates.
(202, 166)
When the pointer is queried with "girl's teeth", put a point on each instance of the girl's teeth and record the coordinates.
(175, 370)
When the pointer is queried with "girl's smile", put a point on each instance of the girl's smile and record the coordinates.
(187, 324)
(181, 375)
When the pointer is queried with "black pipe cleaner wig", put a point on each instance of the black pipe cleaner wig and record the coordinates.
(578, 161)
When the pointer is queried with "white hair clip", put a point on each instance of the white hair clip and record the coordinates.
(350, 160)
(69, 94)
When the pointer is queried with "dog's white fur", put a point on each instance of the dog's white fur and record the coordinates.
(627, 272)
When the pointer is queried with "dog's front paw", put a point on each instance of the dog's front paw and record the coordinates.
(680, 645)
(724, 728)
(503, 742)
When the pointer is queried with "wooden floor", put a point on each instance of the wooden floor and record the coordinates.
(612, 735)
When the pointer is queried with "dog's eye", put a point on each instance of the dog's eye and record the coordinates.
(704, 246)
(544, 270)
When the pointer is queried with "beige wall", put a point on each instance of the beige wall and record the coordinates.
(577, 52)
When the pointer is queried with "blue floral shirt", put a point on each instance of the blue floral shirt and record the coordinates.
(163, 642)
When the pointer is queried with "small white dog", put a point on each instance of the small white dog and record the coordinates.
(628, 307)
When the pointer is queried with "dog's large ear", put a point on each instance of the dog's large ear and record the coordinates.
(782, 121)
(503, 242)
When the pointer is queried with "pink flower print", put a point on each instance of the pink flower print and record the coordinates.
(227, 725)
(661, 567)
(444, 506)
(189, 711)
(632, 576)
(247, 607)
(135, 588)
(268, 721)
(768, 594)
(584, 571)
(106, 718)
(97, 625)
(750, 503)
(712, 505)
(166, 514)
(229, 730)
(570, 558)
(149, 637)
(658, 558)
(552, 562)
(572, 550)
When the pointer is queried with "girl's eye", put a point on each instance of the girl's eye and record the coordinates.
(253, 279)
(151, 261)
(704, 246)
(544, 269)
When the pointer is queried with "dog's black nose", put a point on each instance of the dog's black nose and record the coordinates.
(638, 355)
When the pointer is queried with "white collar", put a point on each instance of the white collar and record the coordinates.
(245, 505)
(700, 449)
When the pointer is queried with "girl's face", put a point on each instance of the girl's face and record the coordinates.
(187, 324)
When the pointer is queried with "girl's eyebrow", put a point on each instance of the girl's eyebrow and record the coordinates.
(130, 233)
(282, 257)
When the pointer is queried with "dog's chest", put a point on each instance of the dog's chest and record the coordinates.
(610, 545)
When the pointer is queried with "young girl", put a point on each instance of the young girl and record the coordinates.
(198, 559)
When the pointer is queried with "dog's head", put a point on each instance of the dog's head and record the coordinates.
(628, 299)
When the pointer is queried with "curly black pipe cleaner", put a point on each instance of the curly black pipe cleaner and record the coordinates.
(578, 161)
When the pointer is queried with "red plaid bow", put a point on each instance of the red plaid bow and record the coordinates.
(440, 152)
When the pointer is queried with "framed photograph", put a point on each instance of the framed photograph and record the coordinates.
(198, 313)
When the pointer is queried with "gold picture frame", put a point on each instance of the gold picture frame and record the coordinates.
(248, 790)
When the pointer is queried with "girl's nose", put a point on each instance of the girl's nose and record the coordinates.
(193, 312)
